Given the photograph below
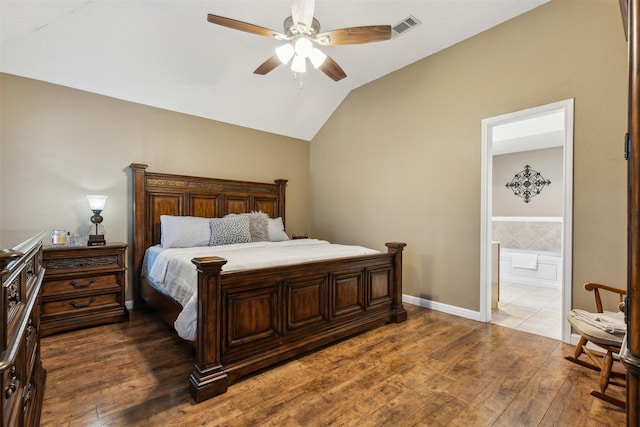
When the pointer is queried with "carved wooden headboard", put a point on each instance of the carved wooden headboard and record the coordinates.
(156, 194)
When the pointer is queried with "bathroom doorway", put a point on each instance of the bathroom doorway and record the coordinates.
(541, 274)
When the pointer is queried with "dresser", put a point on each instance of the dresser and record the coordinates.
(22, 374)
(83, 286)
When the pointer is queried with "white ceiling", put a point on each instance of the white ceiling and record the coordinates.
(165, 54)
(532, 133)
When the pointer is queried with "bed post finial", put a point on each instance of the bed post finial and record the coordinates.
(138, 166)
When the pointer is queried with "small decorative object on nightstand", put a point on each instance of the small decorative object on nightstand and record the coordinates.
(96, 231)
(297, 236)
(83, 286)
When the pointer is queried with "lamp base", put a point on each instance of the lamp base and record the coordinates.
(96, 240)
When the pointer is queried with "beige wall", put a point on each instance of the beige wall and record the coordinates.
(549, 162)
(400, 158)
(60, 144)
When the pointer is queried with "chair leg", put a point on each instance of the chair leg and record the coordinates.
(580, 347)
(594, 358)
(605, 371)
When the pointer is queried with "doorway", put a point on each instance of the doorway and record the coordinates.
(530, 132)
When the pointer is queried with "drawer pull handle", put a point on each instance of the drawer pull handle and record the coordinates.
(82, 305)
(30, 330)
(79, 285)
(11, 388)
(26, 399)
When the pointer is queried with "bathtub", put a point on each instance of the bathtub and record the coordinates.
(531, 267)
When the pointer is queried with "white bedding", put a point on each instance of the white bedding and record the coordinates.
(173, 273)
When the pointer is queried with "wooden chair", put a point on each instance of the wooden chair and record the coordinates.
(607, 344)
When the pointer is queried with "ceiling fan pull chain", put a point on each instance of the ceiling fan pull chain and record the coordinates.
(295, 77)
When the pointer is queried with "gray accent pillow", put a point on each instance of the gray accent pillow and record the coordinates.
(229, 230)
(258, 225)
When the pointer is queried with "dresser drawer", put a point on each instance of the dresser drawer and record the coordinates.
(31, 343)
(14, 296)
(28, 398)
(73, 285)
(10, 389)
(32, 270)
(12, 381)
(79, 305)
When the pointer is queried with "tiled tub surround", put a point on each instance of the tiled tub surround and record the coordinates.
(537, 234)
(530, 250)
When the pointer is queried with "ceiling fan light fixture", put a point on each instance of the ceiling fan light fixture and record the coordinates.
(299, 64)
(303, 47)
(285, 53)
(317, 57)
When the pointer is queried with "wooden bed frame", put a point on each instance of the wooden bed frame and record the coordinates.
(251, 319)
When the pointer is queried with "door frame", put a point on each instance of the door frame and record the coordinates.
(566, 106)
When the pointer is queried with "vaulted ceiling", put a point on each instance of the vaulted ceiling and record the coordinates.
(164, 53)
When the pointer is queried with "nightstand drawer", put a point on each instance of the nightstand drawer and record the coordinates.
(77, 284)
(99, 261)
(80, 304)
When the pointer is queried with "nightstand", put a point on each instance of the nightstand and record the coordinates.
(83, 286)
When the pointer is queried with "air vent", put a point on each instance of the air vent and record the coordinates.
(404, 26)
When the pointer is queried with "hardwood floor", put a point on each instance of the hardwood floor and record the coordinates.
(434, 369)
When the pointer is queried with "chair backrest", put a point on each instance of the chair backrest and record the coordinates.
(595, 287)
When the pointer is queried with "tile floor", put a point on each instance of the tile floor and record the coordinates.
(534, 309)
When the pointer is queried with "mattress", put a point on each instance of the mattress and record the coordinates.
(171, 271)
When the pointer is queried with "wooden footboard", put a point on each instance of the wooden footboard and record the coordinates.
(252, 319)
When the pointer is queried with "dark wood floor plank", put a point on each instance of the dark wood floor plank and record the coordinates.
(432, 370)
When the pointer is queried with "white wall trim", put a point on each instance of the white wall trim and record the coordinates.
(445, 308)
(528, 218)
(470, 314)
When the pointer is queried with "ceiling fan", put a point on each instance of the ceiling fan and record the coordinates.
(301, 34)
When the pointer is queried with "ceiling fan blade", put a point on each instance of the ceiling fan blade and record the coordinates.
(302, 12)
(332, 69)
(267, 65)
(243, 26)
(356, 35)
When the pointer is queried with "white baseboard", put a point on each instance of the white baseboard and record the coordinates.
(466, 313)
(445, 308)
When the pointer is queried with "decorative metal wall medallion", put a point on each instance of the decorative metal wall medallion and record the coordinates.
(527, 183)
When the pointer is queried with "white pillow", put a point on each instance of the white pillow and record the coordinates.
(276, 230)
(229, 230)
(184, 231)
